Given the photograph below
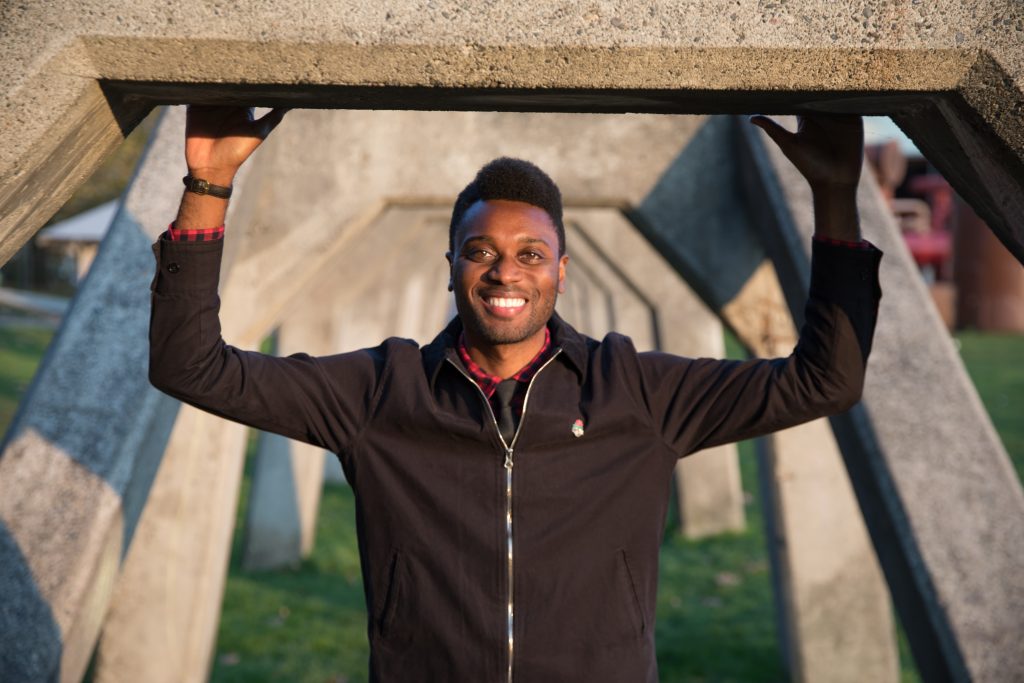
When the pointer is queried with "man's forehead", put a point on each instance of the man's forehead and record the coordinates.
(487, 220)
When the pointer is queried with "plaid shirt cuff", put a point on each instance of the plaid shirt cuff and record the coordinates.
(195, 235)
(862, 245)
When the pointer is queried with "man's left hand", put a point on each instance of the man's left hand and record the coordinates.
(827, 149)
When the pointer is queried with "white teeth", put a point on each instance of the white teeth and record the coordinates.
(506, 303)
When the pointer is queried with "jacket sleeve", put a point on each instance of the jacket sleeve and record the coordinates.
(698, 403)
(323, 401)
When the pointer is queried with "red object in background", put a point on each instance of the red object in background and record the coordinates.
(933, 248)
(930, 248)
(939, 195)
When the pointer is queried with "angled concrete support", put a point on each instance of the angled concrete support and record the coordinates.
(833, 606)
(77, 463)
(939, 495)
(162, 623)
(698, 217)
(288, 475)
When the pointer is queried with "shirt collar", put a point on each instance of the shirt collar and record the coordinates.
(488, 382)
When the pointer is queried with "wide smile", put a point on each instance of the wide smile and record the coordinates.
(504, 307)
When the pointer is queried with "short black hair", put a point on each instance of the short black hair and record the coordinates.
(514, 180)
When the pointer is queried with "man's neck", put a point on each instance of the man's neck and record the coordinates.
(504, 360)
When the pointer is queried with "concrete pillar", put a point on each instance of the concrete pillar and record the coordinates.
(277, 532)
(939, 494)
(653, 305)
(78, 460)
(833, 606)
(350, 308)
(162, 623)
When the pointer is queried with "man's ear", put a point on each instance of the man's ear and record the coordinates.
(451, 265)
(562, 263)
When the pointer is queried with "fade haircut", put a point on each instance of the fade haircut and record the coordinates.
(514, 180)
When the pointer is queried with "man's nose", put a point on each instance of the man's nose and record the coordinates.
(506, 269)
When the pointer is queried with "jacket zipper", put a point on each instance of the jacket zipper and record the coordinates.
(508, 490)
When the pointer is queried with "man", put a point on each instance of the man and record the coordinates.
(512, 477)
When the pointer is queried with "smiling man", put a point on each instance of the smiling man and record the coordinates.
(512, 476)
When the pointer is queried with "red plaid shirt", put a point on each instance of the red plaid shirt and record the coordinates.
(195, 235)
(488, 383)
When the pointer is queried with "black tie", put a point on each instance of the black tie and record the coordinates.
(506, 417)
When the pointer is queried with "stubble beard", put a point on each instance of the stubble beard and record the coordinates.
(487, 330)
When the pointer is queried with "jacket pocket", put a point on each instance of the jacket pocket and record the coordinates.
(392, 595)
(630, 594)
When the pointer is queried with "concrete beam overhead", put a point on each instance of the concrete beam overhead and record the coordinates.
(668, 56)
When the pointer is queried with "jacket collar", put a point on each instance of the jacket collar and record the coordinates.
(563, 336)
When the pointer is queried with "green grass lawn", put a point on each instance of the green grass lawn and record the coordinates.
(715, 619)
(21, 348)
(996, 364)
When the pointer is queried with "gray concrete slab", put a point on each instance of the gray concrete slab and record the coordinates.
(77, 75)
(937, 490)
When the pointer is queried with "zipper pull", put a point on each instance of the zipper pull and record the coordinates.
(508, 458)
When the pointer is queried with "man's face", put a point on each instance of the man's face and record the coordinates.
(506, 272)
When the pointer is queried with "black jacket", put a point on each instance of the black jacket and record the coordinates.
(434, 483)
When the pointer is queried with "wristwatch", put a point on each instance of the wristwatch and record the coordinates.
(200, 186)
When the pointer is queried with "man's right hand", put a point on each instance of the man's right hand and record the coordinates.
(218, 140)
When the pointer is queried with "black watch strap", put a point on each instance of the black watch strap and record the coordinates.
(200, 186)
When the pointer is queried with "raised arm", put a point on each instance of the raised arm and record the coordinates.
(697, 403)
(322, 400)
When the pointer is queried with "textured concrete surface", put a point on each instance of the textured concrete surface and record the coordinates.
(77, 75)
(835, 608)
(832, 602)
(161, 625)
(84, 448)
(937, 490)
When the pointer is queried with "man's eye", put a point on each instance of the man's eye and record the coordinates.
(479, 255)
(531, 256)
